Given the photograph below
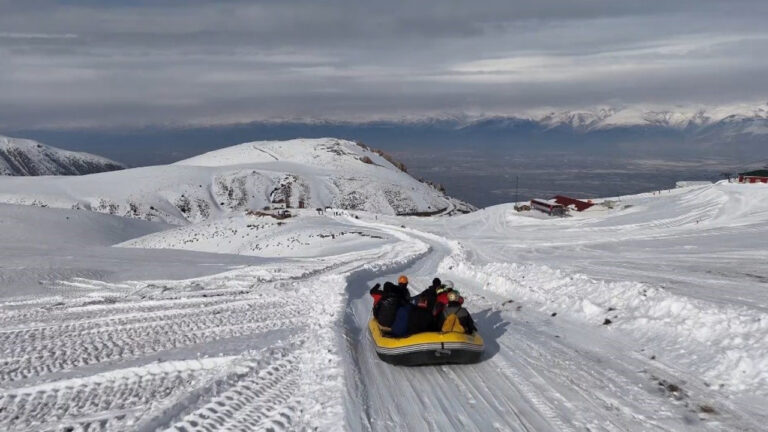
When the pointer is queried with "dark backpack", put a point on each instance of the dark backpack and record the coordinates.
(386, 310)
(465, 319)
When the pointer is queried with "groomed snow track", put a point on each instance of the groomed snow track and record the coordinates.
(256, 349)
(537, 374)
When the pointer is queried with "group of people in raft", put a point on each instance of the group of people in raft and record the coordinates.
(436, 309)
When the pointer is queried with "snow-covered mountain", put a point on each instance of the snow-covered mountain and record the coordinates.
(576, 119)
(739, 119)
(22, 157)
(308, 173)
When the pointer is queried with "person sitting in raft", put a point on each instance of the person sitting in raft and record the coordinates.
(386, 302)
(441, 300)
(411, 319)
(427, 298)
(397, 314)
(454, 317)
(402, 288)
(402, 285)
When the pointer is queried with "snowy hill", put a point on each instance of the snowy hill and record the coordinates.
(21, 157)
(307, 173)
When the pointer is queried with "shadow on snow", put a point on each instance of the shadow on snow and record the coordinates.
(491, 327)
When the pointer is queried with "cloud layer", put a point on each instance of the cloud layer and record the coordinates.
(71, 63)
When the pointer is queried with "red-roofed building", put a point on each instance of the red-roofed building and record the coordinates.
(759, 176)
(568, 201)
(549, 207)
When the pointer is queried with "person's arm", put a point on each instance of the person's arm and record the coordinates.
(376, 293)
(376, 290)
(424, 295)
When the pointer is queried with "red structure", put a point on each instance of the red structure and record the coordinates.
(568, 201)
(759, 176)
(549, 207)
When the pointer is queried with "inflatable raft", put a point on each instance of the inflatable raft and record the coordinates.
(426, 348)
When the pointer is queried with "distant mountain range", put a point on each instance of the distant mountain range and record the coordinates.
(21, 157)
(738, 133)
(741, 119)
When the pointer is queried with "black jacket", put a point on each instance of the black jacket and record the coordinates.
(386, 309)
(421, 320)
(427, 298)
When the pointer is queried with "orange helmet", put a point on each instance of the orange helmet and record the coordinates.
(402, 280)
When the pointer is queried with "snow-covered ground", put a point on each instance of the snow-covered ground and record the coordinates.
(649, 315)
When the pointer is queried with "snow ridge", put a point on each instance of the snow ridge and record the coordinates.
(22, 157)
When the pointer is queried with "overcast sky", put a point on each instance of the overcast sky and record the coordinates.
(109, 62)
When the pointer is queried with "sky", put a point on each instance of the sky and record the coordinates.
(105, 63)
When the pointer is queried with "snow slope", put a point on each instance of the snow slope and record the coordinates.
(307, 234)
(21, 157)
(335, 173)
(309, 172)
(650, 313)
(48, 251)
(683, 269)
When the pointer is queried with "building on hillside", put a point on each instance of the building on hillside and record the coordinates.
(757, 176)
(278, 204)
(549, 207)
(579, 205)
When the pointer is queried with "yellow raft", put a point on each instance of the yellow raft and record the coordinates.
(427, 348)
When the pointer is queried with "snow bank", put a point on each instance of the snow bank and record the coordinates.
(726, 344)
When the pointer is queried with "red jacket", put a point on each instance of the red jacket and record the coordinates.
(376, 293)
(376, 297)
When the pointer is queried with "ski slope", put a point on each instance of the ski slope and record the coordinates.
(650, 315)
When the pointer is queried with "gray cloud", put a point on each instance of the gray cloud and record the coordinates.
(73, 63)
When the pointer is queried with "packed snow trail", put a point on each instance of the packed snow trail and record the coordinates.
(538, 373)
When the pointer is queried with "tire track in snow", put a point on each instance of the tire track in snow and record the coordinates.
(47, 343)
(108, 401)
(43, 350)
(261, 400)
